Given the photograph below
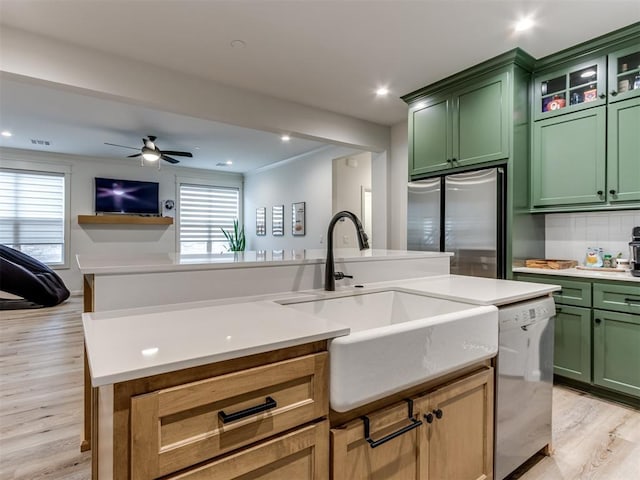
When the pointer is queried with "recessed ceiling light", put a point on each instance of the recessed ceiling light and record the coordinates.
(228, 162)
(382, 91)
(523, 24)
(6, 133)
(238, 44)
(285, 138)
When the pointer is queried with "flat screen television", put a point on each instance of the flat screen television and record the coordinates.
(126, 196)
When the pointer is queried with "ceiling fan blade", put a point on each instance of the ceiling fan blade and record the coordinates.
(134, 155)
(123, 146)
(169, 159)
(177, 154)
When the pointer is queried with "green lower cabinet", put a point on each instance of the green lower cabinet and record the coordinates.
(572, 350)
(616, 351)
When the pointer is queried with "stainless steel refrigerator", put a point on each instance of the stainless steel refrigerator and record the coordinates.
(462, 213)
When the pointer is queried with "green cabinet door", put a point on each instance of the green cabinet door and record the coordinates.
(569, 159)
(624, 74)
(572, 348)
(429, 136)
(480, 121)
(623, 151)
(616, 355)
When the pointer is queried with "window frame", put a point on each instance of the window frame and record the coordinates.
(221, 182)
(48, 169)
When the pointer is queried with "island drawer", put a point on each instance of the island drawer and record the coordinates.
(299, 455)
(175, 428)
(623, 298)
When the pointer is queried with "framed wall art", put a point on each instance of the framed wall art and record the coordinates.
(261, 221)
(298, 218)
(277, 220)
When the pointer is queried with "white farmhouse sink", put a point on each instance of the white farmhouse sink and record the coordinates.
(398, 340)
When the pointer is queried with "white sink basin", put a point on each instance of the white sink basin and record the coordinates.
(398, 340)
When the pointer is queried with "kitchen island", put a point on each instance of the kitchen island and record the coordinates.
(252, 352)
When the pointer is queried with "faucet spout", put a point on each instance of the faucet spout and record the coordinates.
(363, 243)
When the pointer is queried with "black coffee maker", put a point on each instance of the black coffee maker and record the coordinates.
(634, 252)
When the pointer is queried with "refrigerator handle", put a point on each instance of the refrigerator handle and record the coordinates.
(501, 223)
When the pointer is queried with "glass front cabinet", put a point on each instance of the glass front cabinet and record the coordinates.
(582, 86)
(624, 74)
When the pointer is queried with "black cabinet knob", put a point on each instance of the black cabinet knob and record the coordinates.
(598, 320)
(454, 159)
(603, 95)
(612, 192)
(429, 418)
(438, 413)
(613, 93)
(599, 192)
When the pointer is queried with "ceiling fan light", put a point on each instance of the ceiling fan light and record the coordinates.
(149, 154)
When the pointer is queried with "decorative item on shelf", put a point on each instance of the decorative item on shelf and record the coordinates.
(576, 98)
(590, 95)
(623, 86)
(298, 219)
(235, 238)
(557, 103)
(636, 81)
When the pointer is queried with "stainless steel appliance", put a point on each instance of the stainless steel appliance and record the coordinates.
(463, 213)
(634, 252)
(524, 383)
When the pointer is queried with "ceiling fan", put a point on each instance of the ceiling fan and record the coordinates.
(151, 152)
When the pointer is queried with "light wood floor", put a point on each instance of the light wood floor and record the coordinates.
(41, 405)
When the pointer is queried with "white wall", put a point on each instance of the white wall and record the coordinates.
(106, 239)
(304, 179)
(350, 175)
(399, 174)
(568, 235)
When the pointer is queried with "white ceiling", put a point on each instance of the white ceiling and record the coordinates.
(329, 54)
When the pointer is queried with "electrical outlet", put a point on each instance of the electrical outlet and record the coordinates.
(321, 239)
(345, 239)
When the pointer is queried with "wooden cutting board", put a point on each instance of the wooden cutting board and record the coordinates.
(552, 264)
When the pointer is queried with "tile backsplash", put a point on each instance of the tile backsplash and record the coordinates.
(568, 235)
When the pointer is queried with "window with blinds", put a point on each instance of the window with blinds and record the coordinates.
(204, 210)
(32, 216)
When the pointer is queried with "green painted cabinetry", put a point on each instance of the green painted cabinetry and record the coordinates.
(623, 151)
(569, 159)
(585, 152)
(597, 333)
(465, 126)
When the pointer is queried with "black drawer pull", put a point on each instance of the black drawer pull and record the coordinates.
(376, 443)
(632, 300)
(268, 404)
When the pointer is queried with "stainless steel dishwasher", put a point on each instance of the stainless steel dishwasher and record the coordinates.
(524, 383)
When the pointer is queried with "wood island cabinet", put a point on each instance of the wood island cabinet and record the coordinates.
(445, 433)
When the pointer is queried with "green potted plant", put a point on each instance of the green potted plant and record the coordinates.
(235, 238)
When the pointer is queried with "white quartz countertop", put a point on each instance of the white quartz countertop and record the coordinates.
(128, 344)
(167, 262)
(621, 276)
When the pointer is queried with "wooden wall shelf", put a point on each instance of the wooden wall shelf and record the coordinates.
(123, 220)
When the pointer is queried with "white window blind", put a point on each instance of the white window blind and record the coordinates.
(32, 215)
(204, 210)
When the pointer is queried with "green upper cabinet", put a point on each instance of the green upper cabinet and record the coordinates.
(624, 73)
(430, 136)
(623, 151)
(480, 119)
(568, 159)
(574, 88)
(465, 126)
(585, 141)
